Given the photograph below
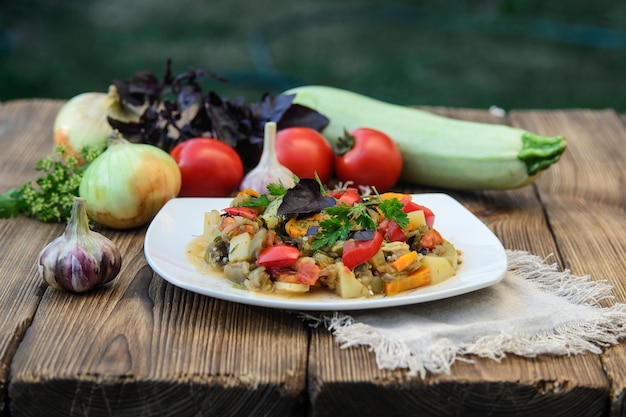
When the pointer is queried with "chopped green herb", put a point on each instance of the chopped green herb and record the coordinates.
(49, 197)
(392, 210)
(276, 190)
(273, 190)
(337, 227)
(261, 201)
(343, 217)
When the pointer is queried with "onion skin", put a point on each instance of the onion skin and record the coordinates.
(82, 121)
(79, 259)
(127, 185)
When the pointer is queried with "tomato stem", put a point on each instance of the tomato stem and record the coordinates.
(344, 143)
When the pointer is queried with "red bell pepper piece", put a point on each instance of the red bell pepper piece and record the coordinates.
(356, 252)
(247, 212)
(349, 196)
(278, 256)
(391, 231)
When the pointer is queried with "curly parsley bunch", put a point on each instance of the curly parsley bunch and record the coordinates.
(49, 197)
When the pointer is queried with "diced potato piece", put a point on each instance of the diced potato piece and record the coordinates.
(440, 268)
(239, 249)
(348, 286)
(211, 224)
(291, 287)
(417, 219)
(450, 254)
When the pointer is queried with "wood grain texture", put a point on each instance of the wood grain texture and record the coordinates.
(545, 386)
(26, 136)
(141, 338)
(585, 201)
(23, 141)
(141, 347)
(138, 346)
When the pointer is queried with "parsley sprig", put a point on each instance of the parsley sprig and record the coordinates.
(49, 197)
(343, 217)
(273, 190)
(392, 209)
(279, 189)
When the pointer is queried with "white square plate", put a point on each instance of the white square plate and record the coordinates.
(182, 219)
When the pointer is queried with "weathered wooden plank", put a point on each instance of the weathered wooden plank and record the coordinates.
(141, 338)
(21, 140)
(26, 137)
(546, 386)
(515, 387)
(138, 346)
(585, 201)
(145, 340)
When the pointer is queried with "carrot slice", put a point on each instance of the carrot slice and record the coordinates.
(248, 191)
(390, 195)
(416, 279)
(404, 261)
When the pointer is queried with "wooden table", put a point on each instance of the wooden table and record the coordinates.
(142, 347)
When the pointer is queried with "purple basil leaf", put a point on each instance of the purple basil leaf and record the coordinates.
(123, 89)
(304, 197)
(146, 84)
(125, 128)
(201, 122)
(271, 109)
(224, 124)
(312, 230)
(364, 235)
(188, 96)
(168, 78)
(236, 122)
(298, 115)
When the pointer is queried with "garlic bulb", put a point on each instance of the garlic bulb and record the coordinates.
(269, 170)
(80, 258)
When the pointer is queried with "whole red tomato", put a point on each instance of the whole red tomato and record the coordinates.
(208, 168)
(368, 157)
(305, 151)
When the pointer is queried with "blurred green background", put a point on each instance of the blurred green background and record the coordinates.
(508, 53)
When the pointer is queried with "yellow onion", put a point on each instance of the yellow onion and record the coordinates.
(82, 120)
(129, 183)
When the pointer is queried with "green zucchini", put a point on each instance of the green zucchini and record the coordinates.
(439, 151)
